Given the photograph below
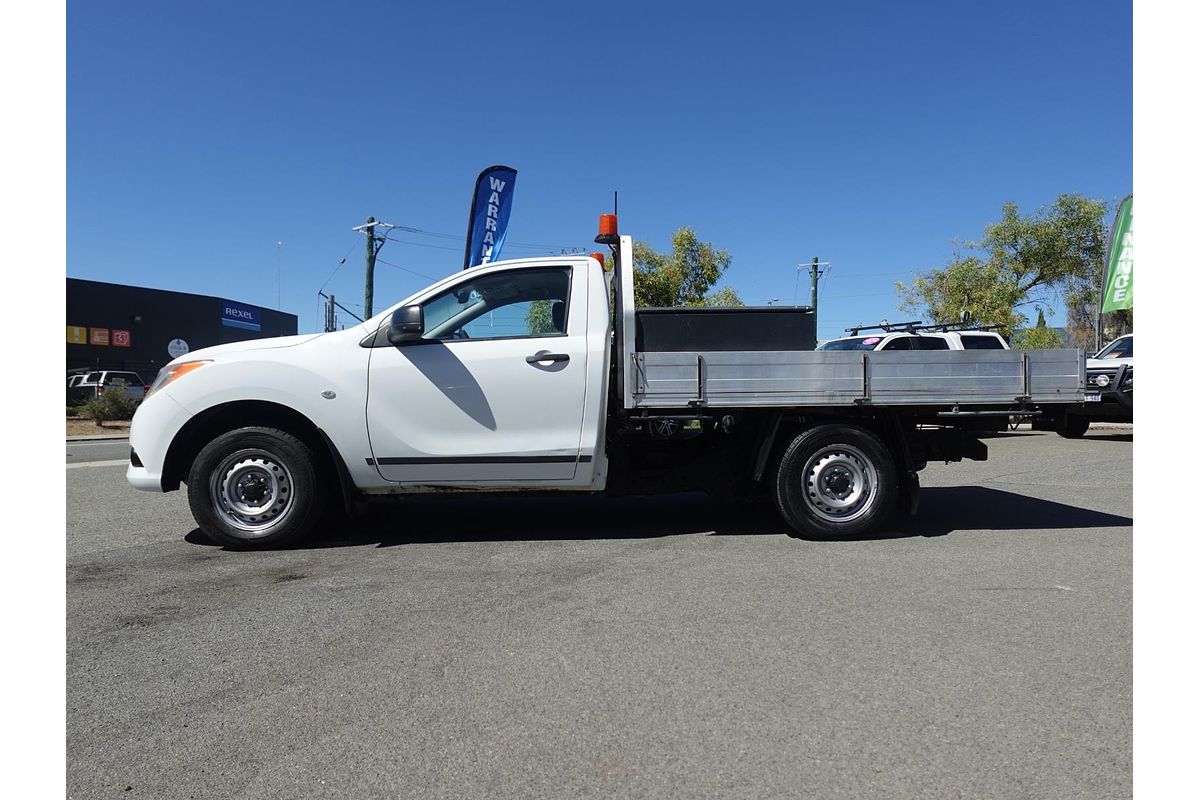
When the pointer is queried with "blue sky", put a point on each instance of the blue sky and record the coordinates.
(869, 134)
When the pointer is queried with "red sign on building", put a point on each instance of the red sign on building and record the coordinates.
(98, 336)
(121, 338)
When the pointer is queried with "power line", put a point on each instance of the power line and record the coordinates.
(869, 294)
(422, 244)
(825, 285)
(406, 269)
(339, 266)
(459, 238)
(877, 274)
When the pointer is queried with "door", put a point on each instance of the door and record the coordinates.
(493, 391)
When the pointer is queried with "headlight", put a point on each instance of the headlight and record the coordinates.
(1102, 381)
(173, 372)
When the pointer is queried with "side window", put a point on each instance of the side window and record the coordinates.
(519, 303)
(971, 342)
(899, 343)
(930, 343)
(1124, 349)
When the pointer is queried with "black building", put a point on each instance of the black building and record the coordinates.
(111, 326)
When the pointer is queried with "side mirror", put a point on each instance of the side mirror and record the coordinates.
(408, 323)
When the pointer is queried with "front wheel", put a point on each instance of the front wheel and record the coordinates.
(255, 487)
(835, 481)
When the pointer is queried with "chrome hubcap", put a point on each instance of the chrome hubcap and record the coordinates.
(252, 491)
(840, 483)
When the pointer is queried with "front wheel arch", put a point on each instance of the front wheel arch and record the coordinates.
(217, 420)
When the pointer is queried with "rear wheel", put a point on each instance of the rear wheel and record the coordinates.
(1073, 427)
(836, 481)
(255, 487)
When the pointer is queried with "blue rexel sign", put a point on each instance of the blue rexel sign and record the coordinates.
(236, 315)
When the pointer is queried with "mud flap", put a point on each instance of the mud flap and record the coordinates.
(908, 498)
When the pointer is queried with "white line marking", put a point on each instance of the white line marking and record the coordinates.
(99, 463)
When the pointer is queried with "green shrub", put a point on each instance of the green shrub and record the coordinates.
(112, 405)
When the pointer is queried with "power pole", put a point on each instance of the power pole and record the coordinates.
(331, 314)
(814, 274)
(278, 276)
(374, 243)
(372, 251)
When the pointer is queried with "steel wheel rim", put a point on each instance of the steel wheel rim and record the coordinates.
(840, 483)
(252, 491)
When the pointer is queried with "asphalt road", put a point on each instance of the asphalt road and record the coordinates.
(89, 452)
(500, 647)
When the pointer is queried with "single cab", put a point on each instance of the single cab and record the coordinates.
(531, 375)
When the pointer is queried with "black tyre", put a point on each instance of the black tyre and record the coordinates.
(1073, 427)
(836, 481)
(255, 487)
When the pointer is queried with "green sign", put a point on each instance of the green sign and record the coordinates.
(1118, 266)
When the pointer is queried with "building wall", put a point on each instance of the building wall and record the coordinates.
(141, 324)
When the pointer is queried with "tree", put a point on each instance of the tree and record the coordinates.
(1021, 260)
(539, 318)
(682, 277)
(722, 298)
(1039, 337)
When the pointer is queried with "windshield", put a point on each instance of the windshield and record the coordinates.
(853, 343)
(1119, 348)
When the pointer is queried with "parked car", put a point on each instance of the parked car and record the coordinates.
(96, 383)
(75, 394)
(920, 340)
(1109, 393)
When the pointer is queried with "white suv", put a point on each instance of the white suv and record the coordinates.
(96, 383)
(923, 340)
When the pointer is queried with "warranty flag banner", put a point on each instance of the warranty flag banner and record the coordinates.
(1118, 264)
(488, 221)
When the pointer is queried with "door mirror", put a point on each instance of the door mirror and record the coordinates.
(408, 323)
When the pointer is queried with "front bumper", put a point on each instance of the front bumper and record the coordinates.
(154, 427)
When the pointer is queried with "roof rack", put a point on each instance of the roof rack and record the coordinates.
(890, 327)
(917, 326)
(946, 327)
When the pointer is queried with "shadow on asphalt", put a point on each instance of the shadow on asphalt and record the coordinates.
(496, 518)
(946, 509)
(1109, 435)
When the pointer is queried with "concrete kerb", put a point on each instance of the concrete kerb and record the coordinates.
(99, 438)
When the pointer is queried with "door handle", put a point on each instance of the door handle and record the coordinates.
(546, 355)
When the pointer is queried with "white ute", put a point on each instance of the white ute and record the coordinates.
(519, 375)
